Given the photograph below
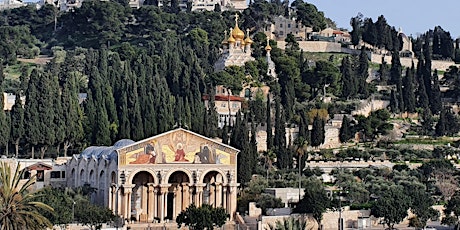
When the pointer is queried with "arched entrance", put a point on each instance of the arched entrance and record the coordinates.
(178, 198)
(213, 193)
(140, 196)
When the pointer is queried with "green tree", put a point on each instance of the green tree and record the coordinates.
(204, 217)
(18, 207)
(408, 92)
(73, 116)
(435, 99)
(315, 200)
(17, 123)
(392, 205)
(60, 201)
(4, 125)
(317, 132)
(452, 211)
(356, 33)
(345, 132)
(92, 215)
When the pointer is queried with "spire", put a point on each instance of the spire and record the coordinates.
(268, 47)
(248, 40)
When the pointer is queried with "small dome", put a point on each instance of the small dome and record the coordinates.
(231, 39)
(268, 48)
(248, 41)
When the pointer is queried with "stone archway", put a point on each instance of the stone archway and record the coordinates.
(214, 192)
(178, 198)
(142, 197)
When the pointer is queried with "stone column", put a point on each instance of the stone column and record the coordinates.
(150, 202)
(163, 204)
(127, 190)
(186, 197)
(177, 201)
(224, 199)
(218, 194)
(232, 200)
(199, 194)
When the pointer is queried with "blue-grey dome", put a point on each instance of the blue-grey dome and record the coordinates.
(107, 152)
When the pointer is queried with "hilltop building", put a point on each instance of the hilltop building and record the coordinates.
(11, 4)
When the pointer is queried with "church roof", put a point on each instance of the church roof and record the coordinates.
(107, 152)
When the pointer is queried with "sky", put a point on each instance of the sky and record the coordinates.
(412, 16)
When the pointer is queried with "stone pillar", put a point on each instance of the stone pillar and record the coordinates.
(163, 204)
(199, 194)
(150, 202)
(224, 198)
(186, 197)
(232, 200)
(218, 194)
(127, 190)
(177, 201)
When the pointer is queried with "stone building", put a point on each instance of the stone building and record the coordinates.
(154, 179)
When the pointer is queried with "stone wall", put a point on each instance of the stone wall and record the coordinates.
(407, 62)
(315, 46)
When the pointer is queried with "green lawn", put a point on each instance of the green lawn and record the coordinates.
(13, 72)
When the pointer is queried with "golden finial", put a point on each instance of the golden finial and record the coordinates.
(268, 47)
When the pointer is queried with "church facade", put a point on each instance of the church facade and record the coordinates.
(153, 180)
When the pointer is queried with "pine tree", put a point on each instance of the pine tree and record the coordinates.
(345, 133)
(17, 123)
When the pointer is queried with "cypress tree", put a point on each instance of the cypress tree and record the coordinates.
(317, 132)
(363, 73)
(426, 70)
(396, 78)
(96, 112)
(348, 84)
(17, 123)
(384, 72)
(269, 124)
(440, 128)
(134, 110)
(435, 99)
(73, 116)
(4, 126)
(423, 101)
(345, 133)
(408, 92)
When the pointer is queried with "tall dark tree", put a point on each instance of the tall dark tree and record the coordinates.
(363, 73)
(356, 33)
(408, 90)
(269, 124)
(4, 125)
(73, 116)
(396, 78)
(435, 99)
(345, 132)
(348, 80)
(317, 132)
(17, 123)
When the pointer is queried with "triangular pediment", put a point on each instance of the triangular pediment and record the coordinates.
(39, 166)
(179, 146)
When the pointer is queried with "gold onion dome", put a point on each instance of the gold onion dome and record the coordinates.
(231, 39)
(248, 40)
(242, 43)
(237, 33)
(268, 47)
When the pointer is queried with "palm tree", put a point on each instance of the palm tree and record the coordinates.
(18, 208)
(290, 224)
(301, 147)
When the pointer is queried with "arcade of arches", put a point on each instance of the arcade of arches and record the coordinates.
(145, 200)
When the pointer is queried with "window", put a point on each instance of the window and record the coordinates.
(62, 174)
(40, 176)
(56, 174)
(235, 105)
(281, 25)
(289, 25)
(223, 105)
(281, 33)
